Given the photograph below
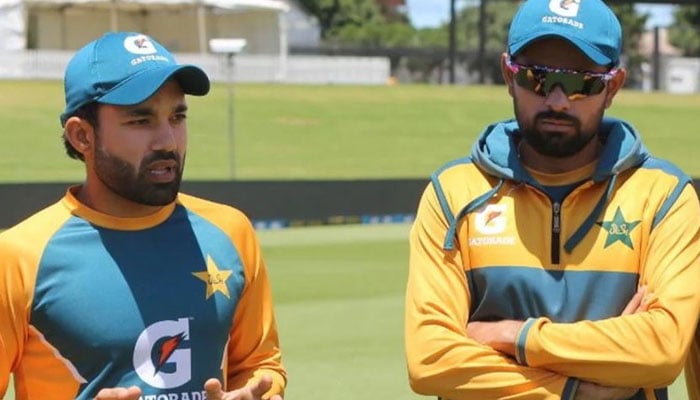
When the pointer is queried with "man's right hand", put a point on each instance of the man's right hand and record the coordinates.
(638, 303)
(253, 391)
(131, 393)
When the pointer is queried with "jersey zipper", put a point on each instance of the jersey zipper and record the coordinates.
(556, 231)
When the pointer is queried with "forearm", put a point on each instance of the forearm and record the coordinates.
(645, 349)
(455, 368)
(609, 360)
(441, 359)
(266, 362)
(254, 348)
(626, 351)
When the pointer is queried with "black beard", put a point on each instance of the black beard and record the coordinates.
(124, 180)
(555, 144)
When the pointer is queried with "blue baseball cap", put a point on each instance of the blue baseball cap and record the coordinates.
(590, 25)
(125, 68)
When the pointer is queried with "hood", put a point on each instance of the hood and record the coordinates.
(496, 153)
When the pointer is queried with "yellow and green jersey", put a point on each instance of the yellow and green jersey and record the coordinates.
(565, 253)
(164, 302)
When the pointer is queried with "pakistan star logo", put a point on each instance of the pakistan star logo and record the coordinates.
(619, 229)
(214, 278)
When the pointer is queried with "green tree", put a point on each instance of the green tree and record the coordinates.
(685, 32)
(432, 37)
(392, 34)
(498, 16)
(359, 23)
(633, 26)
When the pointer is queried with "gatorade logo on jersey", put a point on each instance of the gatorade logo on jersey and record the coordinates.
(491, 220)
(159, 357)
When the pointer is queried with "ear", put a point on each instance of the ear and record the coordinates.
(614, 85)
(507, 74)
(80, 134)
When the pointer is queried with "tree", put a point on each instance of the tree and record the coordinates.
(633, 26)
(498, 16)
(685, 32)
(359, 23)
(392, 34)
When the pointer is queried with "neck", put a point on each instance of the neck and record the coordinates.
(107, 202)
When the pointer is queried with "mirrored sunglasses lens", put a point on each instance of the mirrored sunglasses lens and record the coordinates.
(528, 79)
(574, 85)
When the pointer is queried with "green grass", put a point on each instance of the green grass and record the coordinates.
(339, 301)
(325, 132)
(338, 293)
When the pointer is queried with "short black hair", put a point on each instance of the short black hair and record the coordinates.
(88, 112)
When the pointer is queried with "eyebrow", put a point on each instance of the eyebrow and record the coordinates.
(143, 111)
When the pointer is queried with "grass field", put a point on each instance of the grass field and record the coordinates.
(338, 292)
(325, 132)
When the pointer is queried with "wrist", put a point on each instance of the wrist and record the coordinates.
(507, 337)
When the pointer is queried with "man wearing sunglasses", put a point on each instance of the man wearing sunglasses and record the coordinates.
(560, 259)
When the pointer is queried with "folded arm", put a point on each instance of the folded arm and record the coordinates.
(646, 349)
(442, 360)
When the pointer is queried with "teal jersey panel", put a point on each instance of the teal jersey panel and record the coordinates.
(129, 308)
(562, 296)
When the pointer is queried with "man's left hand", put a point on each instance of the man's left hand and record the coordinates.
(253, 391)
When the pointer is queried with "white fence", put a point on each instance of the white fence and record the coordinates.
(681, 75)
(50, 64)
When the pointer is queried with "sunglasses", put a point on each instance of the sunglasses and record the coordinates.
(542, 80)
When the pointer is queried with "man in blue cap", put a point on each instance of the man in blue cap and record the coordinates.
(560, 259)
(127, 288)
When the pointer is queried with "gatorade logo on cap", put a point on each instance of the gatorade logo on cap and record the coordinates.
(139, 45)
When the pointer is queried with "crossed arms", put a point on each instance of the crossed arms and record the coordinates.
(644, 348)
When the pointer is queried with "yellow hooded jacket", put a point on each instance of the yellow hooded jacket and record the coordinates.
(490, 242)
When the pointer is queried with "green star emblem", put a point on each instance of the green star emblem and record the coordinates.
(619, 229)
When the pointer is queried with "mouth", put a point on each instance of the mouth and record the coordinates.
(162, 171)
(556, 124)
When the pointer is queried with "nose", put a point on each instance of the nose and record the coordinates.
(557, 100)
(165, 137)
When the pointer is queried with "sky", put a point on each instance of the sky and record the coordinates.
(430, 13)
